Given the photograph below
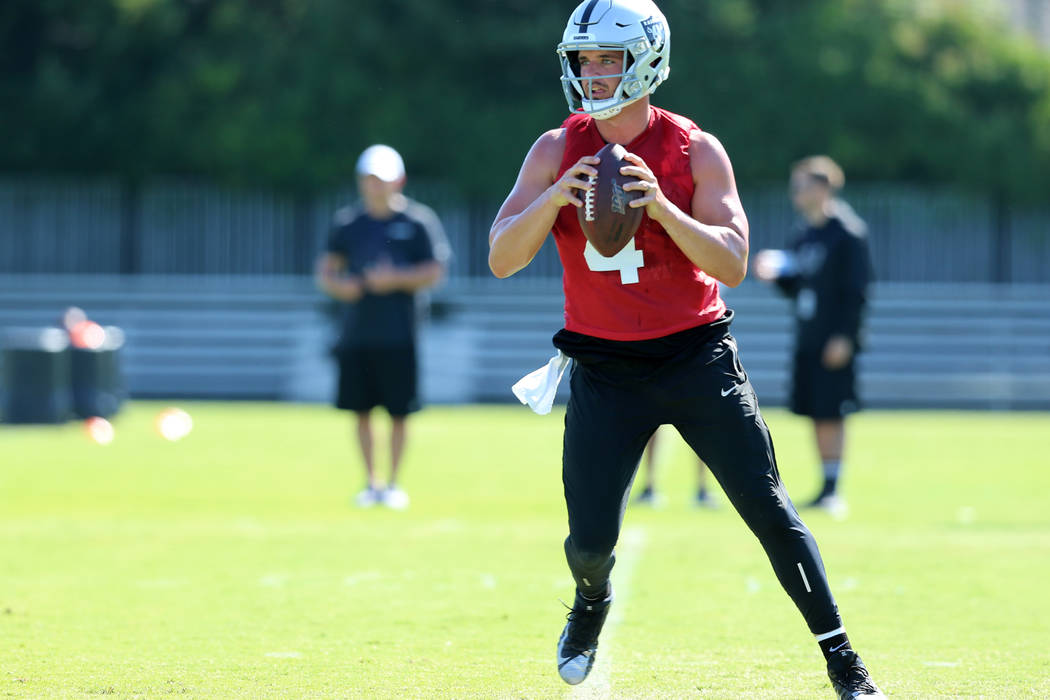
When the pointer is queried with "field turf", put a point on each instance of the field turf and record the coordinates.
(232, 565)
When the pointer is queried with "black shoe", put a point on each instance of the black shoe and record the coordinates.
(849, 678)
(705, 500)
(579, 640)
(647, 497)
(825, 491)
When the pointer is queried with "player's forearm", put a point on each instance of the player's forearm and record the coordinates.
(421, 276)
(720, 251)
(847, 318)
(340, 288)
(330, 278)
(515, 240)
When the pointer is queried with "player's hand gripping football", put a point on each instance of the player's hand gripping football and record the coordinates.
(564, 191)
(657, 206)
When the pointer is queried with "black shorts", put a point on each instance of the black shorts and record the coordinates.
(370, 377)
(821, 393)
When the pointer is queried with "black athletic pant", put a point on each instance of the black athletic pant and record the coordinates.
(621, 393)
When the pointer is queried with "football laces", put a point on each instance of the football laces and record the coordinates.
(588, 199)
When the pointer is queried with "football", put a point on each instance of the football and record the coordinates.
(605, 217)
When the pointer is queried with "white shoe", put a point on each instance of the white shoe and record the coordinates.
(704, 499)
(367, 498)
(393, 497)
(833, 504)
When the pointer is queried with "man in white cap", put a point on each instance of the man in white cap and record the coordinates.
(379, 254)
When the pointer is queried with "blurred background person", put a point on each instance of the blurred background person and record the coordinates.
(649, 496)
(379, 255)
(826, 273)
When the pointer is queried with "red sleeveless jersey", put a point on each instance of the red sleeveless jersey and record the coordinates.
(649, 289)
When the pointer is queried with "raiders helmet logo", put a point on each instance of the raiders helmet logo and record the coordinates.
(655, 32)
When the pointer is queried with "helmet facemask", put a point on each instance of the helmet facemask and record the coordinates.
(576, 88)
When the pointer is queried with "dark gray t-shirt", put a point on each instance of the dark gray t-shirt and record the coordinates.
(830, 285)
(410, 237)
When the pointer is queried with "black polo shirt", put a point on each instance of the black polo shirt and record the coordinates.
(409, 237)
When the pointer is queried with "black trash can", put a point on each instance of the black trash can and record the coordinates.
(98, 386)
(35, 384)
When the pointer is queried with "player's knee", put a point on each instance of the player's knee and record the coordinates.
(589, 558)
(593, 561)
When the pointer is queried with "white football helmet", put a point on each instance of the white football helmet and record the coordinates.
(635, 27)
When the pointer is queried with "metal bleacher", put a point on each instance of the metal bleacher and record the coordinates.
(949, 345)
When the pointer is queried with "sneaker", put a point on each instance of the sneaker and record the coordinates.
(393, 497)
(850, 678)
(579, 640)
(705, 500)
(647, 497)
(832, 503)
(367, 498)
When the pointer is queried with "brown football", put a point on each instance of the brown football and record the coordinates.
(606, 219)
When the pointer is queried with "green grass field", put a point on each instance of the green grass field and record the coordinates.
(231, 564)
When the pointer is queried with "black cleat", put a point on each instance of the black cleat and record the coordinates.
(850, 678)
(579, 640)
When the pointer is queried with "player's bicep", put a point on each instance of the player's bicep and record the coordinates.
(716, 201)
(857, 265)
(537, 173)
(437, 245)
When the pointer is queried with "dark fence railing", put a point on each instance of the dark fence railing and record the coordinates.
(167, 226)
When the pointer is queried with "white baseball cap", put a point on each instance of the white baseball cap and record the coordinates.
(383, 162)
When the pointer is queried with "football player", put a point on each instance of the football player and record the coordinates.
(646, 329)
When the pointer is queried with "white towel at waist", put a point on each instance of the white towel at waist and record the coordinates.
(537, 389)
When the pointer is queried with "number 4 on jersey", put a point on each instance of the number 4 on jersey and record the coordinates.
(626, 262)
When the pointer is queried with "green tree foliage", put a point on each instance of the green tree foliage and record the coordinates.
(287, 92)
(930, 92)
